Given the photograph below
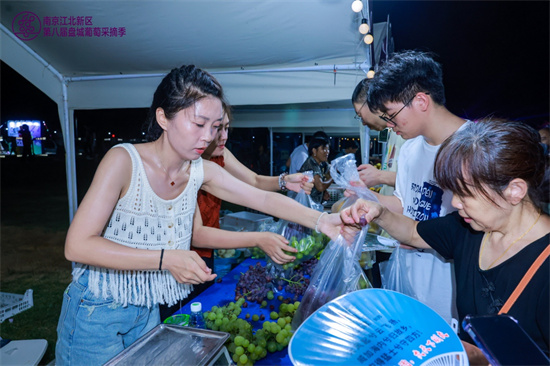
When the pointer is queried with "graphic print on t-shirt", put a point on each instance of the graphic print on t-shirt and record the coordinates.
(426, 203)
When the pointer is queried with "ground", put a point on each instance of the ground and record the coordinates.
(34, 221)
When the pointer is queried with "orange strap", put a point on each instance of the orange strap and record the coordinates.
(525, 280)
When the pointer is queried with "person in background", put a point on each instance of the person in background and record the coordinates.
(545, 139)
(495, 171)
(368, 173)
(131, 235)
(318, 151)
(348, 147)
(210, 206)
(408, 94)
(300, 153)
(26, 137)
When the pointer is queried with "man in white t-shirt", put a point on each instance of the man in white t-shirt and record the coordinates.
(408, 94)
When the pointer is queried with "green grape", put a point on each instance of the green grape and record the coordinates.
(283, 308)
(255, 317)
(211, 316)
(267, 325)
(238, 340)
(273, 315)
(281, 322)
(264, 304)
(239, 350)
(243, 358)
(262, 343)
(270, 295)
(246, 343)
(251, 347)
(279, 346)
(218, 322)
(280, 338)
(235, 357)
(275, 328)
(272, 346)
(290, 308)
(259, 349)
(288, 327)
(288, 319)
(296, 304)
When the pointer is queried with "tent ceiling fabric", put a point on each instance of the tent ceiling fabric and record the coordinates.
(227, 38)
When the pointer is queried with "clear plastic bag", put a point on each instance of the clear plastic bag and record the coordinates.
(337, 272)
(394, 273)
(343, 171)
(306, 241)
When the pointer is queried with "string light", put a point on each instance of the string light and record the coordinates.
(370, 73)
(357, 6)
(368, 39)
(364, 27)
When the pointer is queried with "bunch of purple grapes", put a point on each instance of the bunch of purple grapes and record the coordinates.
(254, 284)
(308, 266)
(298, 286)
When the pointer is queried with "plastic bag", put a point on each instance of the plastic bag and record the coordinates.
(337, 272)
(306, 241)
(394, 273)
(343, 171)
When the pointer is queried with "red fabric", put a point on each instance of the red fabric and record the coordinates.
(210, 210)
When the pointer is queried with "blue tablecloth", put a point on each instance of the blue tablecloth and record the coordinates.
(220, 294)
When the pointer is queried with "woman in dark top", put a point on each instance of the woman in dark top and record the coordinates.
(318, 150)
(496, 171)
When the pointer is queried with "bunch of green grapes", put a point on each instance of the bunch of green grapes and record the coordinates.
(225, 319)
(308, 247)
(244, 346)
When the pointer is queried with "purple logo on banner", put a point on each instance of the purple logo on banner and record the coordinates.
(26, 26)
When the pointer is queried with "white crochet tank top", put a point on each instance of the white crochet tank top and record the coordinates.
(143, 220)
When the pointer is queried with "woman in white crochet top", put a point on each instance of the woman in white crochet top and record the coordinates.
(131, 235)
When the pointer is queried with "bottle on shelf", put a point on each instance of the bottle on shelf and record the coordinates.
(196, 319)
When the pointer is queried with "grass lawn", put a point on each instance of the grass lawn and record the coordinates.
(34, 222)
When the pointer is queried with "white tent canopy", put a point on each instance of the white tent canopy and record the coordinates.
(270, 52)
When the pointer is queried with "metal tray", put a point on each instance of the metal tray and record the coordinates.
(168, 344)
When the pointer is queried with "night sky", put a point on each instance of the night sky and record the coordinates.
(495, 58)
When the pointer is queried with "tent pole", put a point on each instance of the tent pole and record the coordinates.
(66, 117)
(270, 151)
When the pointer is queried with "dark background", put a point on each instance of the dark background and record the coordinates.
(495, 57)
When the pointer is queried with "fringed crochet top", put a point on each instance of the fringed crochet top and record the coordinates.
(143, 220)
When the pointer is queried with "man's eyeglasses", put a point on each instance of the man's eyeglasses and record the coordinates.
(357, 115)
(389, 119)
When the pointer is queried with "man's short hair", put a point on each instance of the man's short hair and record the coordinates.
(360, 93)
(404, 75)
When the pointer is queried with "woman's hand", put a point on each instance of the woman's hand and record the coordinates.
(274, 245)
(187, 267)
(298, 181)
(475, 356)
(361, 212)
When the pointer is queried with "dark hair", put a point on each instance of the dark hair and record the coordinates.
(227, 110)
(315, 143)
(179, 89)
(490, 154)
(402, 77)
(360, 93)
(350, 144)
